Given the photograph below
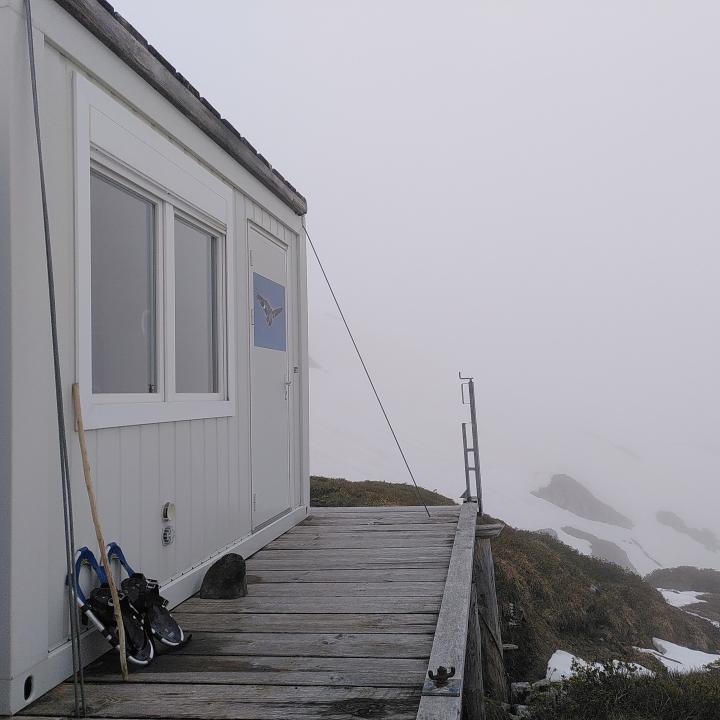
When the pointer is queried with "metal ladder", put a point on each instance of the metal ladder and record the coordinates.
(467, 382)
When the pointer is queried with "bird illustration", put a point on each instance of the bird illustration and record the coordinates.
(270, 312)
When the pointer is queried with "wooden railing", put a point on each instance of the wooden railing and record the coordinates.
(466, 660)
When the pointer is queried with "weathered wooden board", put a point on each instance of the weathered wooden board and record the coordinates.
(279, 711)
(372, 522)
(384, 575)
(340, 710)
(326, 527)
(118, 700)
(388, 554)
(316, 605)
(389, 509)
(352, 541)
(384, 516)
(308, 623)
(347, 559)
(387, 645)
(450, 639)
(171, 662)
(348, 672)
(347, 589)
(360, 563)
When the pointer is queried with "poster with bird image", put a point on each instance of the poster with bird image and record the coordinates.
(269, 304)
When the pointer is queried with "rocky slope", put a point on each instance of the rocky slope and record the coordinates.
(640, 541)
(554, 597)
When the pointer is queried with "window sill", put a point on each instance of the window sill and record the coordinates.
(107, 415)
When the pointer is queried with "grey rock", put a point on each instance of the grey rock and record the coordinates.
(705, 537)
(568, 494)
(603, 549)
(226, 579)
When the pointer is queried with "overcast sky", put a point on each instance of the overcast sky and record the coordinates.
(524, 191)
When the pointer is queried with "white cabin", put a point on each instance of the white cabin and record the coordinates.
(180, 274)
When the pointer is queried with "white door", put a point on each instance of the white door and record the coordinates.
(270, 378)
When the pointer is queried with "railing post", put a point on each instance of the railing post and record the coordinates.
(443, 691)
(473, 704)
(493, 664)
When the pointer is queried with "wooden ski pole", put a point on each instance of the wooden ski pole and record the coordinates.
(98, 529)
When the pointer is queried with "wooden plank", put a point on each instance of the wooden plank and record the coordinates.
(371, 531)
(347, 559)
(350, 541)
(349, 672)
(256, 702)
(278, 711)
(494, 676)
(388, 555)
(380, 645)
(308, 623)
(473, 692)
(367, 563)
(326, 527)
(369, 515)
(358, 678)
(314, 605)
(404, 509)
(371, 522)
(347, 589)
(384, 575)
(392, 710)
(450, 639)
(379, 518)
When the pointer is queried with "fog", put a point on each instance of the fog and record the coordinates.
(524, 191)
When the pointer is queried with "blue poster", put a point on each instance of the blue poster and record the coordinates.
(269, 303)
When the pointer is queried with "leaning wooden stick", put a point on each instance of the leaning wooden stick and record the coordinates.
(98, 529)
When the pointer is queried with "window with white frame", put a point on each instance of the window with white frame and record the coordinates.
(154, 274)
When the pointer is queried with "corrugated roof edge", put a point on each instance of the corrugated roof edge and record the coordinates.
(100, 18)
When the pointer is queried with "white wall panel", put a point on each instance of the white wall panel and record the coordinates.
(203, 466)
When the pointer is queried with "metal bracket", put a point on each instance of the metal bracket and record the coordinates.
(440, 683)
(453, 688)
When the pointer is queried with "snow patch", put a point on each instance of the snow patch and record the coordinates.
(680, 598)
(679, 658)
(560, 666)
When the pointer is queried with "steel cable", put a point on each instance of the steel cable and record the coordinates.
(365, 368)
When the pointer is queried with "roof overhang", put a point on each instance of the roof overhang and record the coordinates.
(131, 47)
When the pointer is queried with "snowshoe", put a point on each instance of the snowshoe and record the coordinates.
(98, 609)
(144, 594)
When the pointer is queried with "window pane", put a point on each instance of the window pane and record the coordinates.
(196, 336)
(123, 289)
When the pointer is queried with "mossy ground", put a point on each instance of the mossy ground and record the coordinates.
(336, 492)
(591, 608)
(617, 693)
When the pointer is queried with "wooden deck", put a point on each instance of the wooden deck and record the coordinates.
(338, 623)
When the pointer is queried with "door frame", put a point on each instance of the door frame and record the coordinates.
(292, 351)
